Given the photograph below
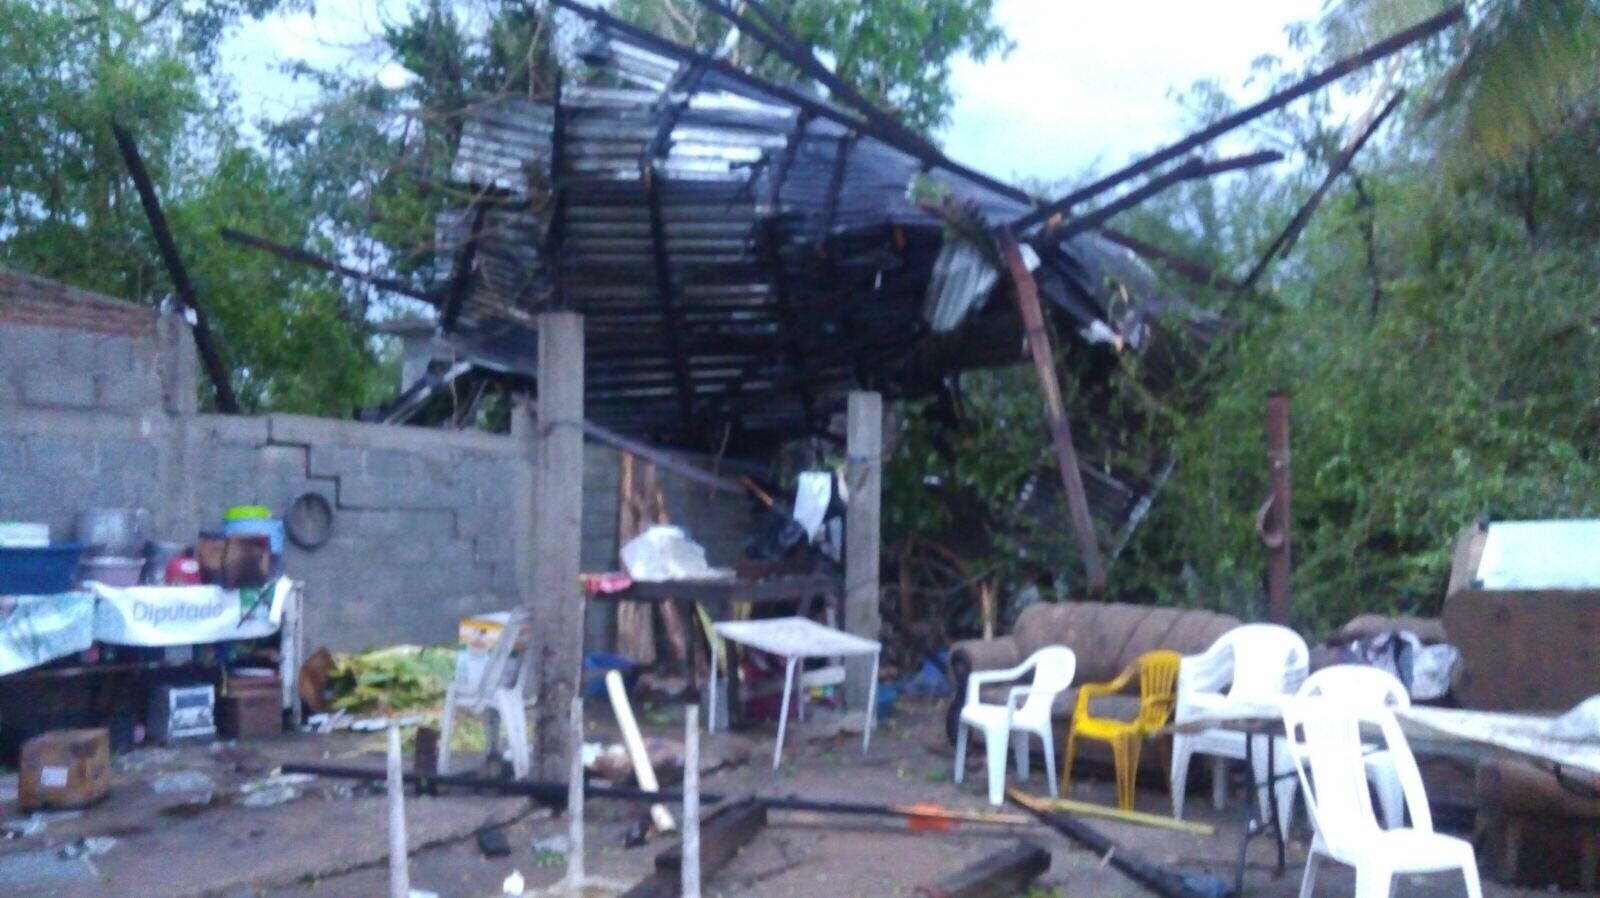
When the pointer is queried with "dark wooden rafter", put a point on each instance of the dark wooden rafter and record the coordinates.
(1386, 47)
(1192, 169)
(1341, 163)
(687, 79)
(1189, 269)
(205, 344)
(1038, 338)
(830, 202)
(312, 260)
(462, 270)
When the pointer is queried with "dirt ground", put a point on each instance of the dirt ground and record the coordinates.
(161, 835)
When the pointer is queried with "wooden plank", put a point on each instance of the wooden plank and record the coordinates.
(864, 477)
(1152, 877)
(636, 631)
(1027, 293)
(1003, 874)
(556, 605)
(722, 833)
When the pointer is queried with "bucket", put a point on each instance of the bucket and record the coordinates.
(271, 528)
(112, 570)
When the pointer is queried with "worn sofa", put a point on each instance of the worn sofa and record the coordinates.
(1106, 637)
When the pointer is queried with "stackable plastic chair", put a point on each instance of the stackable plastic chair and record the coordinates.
(1327, 748)
(1360, 685)
(499, 692)
(1158, 677)
(1253, 662)
(1053, 668)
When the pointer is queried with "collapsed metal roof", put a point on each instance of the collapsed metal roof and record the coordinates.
(742, 255)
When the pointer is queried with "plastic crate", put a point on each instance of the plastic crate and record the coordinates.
(41, 571)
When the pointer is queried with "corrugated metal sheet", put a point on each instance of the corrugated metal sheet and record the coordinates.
(795, 263)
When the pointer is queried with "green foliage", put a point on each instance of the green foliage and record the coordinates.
(68, 209)
(393, 678)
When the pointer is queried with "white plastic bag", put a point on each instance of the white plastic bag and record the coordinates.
(667, 553)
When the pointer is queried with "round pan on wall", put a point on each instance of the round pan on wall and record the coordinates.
(309, 521)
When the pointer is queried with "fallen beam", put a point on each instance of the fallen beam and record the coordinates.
(1191, 170)
(1136, 817)
(551, 793)
(1152, 877)
(312, 260)
(1003, 874)
(1038, 339)
(204, 343)
(728, 829)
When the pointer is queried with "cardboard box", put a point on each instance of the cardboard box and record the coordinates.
(250, 714)
(64, 769)
(476, 638)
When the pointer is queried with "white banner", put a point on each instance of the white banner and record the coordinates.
(36, 629)
(186, 615)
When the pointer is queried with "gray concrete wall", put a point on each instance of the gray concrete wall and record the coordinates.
(426, 526)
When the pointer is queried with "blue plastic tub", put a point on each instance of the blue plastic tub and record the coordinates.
(41, 571)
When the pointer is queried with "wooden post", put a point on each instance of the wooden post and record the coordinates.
(636, 632)
(1044, 365)
(557, 606)
(691, 802)
(1275, 523)
(575, 798)
(864, 476)
(399, 874)
(998, 875)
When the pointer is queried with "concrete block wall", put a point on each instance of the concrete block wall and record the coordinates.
(97, 409)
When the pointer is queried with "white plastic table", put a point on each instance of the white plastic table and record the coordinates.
(793, 638)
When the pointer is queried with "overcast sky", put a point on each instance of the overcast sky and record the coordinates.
(1089, 80)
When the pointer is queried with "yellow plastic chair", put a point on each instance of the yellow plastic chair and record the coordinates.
(1158, 679)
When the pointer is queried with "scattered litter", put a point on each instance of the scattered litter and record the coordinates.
(182, 781)
(32, 825)
(556, 844)
(376, 724)
(89, 846)
(514, 885)
(140, 758)
(493, 842)
(266, 798)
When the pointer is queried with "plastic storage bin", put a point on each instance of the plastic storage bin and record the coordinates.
(39, 571)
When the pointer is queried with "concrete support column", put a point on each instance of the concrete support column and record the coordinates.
(864, 476)
(556, 602)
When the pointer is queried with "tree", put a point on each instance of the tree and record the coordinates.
(68, 211)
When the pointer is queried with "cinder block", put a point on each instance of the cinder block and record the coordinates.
(390, 463)
(123, 391)
(128, 459)
(55, 386)
(24, 346)
(52, 458)
(334, 461)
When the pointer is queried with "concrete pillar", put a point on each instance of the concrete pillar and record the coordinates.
(556, 603)
(864, 475)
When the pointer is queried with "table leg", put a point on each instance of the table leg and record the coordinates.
(1278, 835)
(872, 704)
(783, 712)
(711, 713)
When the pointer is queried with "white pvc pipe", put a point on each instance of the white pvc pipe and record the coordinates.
(634, 741)
(575, 798)
(691, 803)
(399, 875)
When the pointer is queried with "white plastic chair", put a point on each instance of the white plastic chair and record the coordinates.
(1361, 685)
(1252, 662)
(498, 697)
(1053, 668)
(1327, 750)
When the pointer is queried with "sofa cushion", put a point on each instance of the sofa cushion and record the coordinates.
(1107, 637)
